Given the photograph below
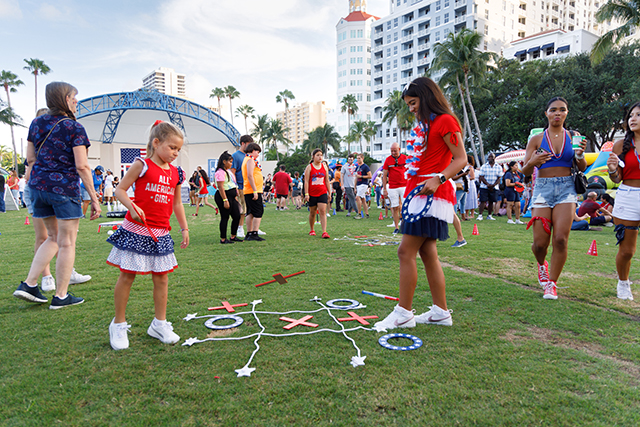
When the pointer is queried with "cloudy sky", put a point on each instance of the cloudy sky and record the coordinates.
(260, 47)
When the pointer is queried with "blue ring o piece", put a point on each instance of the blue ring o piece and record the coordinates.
(383, 341)
(413, 217)
(354, 304)
(210, 322)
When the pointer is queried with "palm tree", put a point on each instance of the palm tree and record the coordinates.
(231, 93)
(277, 135)
(284, 96)
(245, 111)
(349, 106)
(36, 66)
(261, 130)
(327, 137)
(10, 82)
(218, 93)
(369, 132)
(459, 54)
(396, 109)
(625, 11)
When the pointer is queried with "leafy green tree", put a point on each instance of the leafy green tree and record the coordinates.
(276, 134)
(625, 11)
(245, 111)
(285, 96)
(218, 93)
(36, 66)
(349, 105)
(322, 137)
(396, 111)
(294, 162)
(260, 130)
(231, 93)
(10, 82)
(459, 54)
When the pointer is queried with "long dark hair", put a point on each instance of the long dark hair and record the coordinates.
(432, 100)
(628, 136)
(223, 158)
(204, 176)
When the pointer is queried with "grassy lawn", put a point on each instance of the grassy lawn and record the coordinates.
(511, 358)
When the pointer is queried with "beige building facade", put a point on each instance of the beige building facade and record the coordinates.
(301, 119)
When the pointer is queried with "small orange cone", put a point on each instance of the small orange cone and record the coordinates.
(593, 249)
(380, 216)
(475, 230)
(26, 221)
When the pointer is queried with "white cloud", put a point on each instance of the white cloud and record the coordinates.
(10, 9)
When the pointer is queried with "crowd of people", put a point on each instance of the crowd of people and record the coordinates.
(59, 186)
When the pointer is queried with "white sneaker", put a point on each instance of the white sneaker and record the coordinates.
(240, 233)
(118, 335)
(479, 218)
(48, 283)
(163, 331)
(77, 278)
(608, 224)
(509, 221)
(261, 233)
(392, 225)
(399, 318)
(491, 218)
(519, 222)
(329, 215)
(435, 316)
(624, 290)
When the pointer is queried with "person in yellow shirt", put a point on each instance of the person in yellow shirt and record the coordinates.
(253, 183)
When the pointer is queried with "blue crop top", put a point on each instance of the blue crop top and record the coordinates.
(564, 159)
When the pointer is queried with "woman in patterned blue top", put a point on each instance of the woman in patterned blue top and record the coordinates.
(57, 149)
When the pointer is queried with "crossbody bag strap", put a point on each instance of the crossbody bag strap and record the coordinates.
(47, 137)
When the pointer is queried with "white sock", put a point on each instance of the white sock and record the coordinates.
(159, 322)
(34, 286)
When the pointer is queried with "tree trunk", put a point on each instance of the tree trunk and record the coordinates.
(348, 131)
(466, 122)
(231, 111)
(13, 138)
(473, 114)
(246, 129)
(35, 74)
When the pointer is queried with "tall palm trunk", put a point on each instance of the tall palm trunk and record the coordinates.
(348, 131)
(13, 138)
(35, 75)
(473, 114)
(466, 121)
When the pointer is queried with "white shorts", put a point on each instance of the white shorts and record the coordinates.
(362, 190)
(627, 206)
(108, 192)
(396, 196)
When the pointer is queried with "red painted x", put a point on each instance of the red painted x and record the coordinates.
(356, 317)
(227, 306)
(302, 321)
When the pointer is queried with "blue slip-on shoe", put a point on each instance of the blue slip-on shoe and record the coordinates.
(459, 244)
(27, 293)
(57, 303)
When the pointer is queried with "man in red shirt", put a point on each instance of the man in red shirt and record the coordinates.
(596, 212)
(282, 182)
(393, 174)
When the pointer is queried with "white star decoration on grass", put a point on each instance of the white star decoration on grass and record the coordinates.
(378, 327)
(191, 341)
(358, 361)
(190, 316)
(245, 371)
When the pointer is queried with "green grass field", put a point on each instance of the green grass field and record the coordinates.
(511, 358)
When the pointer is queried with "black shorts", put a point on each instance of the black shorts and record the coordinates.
(488, 196)
(254, 207)
(313, 201)
(282, 196)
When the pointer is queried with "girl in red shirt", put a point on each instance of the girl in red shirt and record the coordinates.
(143, 245)
(436, 154)
(626, 211)
(317, 190)
(203, 194)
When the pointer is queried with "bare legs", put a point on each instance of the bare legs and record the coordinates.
(561, 217)
(407, 251)
(123, 289)
(627, 249)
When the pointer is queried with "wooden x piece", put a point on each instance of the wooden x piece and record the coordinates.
(354, 316)
(295, 322)
(227, 306)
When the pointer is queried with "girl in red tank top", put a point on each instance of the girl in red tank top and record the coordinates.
(143, 244)
(317, 191)
(626, 211)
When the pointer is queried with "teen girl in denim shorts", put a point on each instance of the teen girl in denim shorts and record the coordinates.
(554, 196)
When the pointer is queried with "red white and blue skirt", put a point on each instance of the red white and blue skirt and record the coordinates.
(134, 250)
(435, 224)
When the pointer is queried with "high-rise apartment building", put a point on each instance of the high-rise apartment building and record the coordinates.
(301, 119)
(354, 64)
(167, 81)
(403, 41)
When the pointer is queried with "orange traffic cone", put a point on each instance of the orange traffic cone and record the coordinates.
(26, 221)
(475, 230)
(380, 216)
(593, 249)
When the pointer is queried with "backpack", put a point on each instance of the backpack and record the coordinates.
(503, 183)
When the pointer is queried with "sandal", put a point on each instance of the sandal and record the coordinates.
(312, 233)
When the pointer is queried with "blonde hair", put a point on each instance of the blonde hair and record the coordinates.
(42, 112)
(161, 130)
(56, 95)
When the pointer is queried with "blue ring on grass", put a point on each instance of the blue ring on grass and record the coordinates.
(413, 217)
(383, 341)
(210, 322)
(354, 304)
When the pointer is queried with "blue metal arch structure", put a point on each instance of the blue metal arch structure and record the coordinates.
(117, 103)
